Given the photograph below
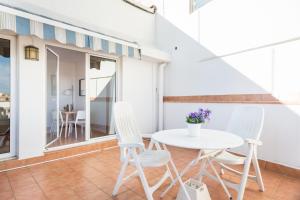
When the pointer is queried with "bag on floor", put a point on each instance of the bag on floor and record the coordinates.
(196, 190)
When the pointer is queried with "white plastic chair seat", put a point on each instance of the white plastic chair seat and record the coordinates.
(155, 158)
(227, 158)
(78, 122)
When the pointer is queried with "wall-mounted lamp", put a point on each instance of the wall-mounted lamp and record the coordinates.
(31, 53)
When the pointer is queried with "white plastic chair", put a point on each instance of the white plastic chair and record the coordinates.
(80, 120)
(62, 123)
(247, 122)
(133, 151)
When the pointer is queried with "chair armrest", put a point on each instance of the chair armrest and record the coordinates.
(252, 141)
(132, 145)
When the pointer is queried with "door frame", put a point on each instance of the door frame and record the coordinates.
(13, 96)
(57, 95)
(87, 52)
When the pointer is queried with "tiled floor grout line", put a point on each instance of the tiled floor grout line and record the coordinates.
(48, 161)
(111, 178)
(38, 184)
(103, 175)
(12, 190)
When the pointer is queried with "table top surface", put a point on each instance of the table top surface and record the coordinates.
(68, 112)
(207, 139)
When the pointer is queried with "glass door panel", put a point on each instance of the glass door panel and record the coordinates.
(5, 96)
(102, 95)
(52, 97)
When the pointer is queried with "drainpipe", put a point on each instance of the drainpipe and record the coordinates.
(161, 96)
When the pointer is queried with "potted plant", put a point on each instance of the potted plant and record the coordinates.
(196, 119)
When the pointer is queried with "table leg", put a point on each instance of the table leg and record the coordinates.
(191, 164)
(219, 179)
(202, 168)
(178, 177)
(200, 156)
(67, 125)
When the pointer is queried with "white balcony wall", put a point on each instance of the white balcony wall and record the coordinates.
(139, 89)
(111, 17)
(235, 47)
(31, 100)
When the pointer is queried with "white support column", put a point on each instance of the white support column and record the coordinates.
(161, 96)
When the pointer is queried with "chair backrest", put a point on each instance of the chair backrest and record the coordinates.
(61, 117)
(126, 125)
(247, 122)
(80, 115)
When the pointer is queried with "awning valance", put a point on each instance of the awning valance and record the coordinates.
(25, 26)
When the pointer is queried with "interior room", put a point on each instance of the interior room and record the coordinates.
(65, 70)
(66, 74)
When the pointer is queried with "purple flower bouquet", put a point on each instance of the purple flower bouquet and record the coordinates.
(196, 119)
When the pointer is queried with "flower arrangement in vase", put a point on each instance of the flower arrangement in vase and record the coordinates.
(196, 119)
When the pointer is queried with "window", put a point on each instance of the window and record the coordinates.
(196, 4)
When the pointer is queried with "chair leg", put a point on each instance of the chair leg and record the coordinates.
(151, 144)
(202, 169)
(245, 174)
(120, 177)
(81, 129)
(70, 130)
(258, 173)
(75, 127)
(222, 172)
(170, 173)
(61, 129)
(144, 181)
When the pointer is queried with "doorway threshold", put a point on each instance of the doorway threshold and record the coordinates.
(83, 143)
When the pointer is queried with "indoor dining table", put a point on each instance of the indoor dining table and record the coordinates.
(208, 142)
(67, 114)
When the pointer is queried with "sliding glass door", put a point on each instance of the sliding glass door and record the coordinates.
(7, 86)
(81, 90)
(66, 115)
(101, 95)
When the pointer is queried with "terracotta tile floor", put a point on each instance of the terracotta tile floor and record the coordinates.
(93, 176)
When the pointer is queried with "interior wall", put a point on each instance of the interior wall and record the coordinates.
(235, 47)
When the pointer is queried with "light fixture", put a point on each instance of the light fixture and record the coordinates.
(69, 92)
(31, 53)
(95, 63)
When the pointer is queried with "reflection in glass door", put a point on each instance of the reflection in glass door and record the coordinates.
(6, 138)
(102, 95)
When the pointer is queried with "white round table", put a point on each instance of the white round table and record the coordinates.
(208, 139)
(214, 140)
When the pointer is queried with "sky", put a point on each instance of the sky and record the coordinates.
(4, 75)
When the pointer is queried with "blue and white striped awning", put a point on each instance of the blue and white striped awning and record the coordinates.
(24, 26)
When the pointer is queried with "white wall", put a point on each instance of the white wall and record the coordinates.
(112, 17)
(235, 47)
(31, 101)
(139, 89)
